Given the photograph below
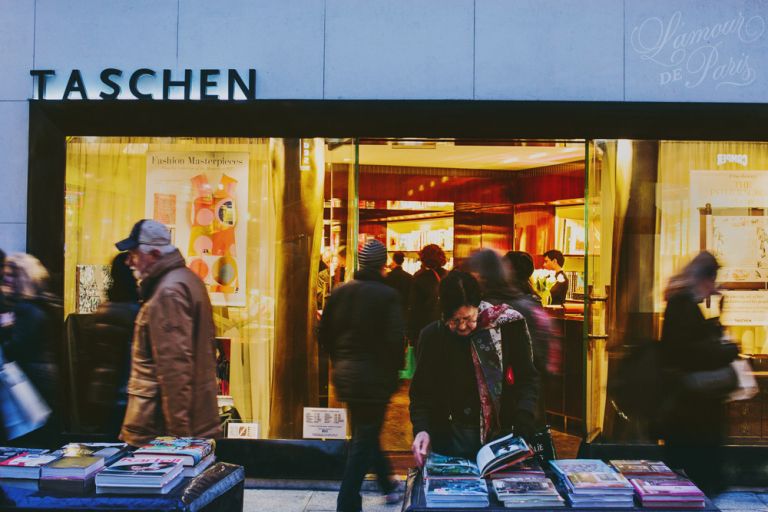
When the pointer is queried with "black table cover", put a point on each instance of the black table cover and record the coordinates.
(218, 488)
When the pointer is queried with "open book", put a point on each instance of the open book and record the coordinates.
(494, 456)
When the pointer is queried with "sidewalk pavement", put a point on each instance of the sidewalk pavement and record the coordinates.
(297, 500)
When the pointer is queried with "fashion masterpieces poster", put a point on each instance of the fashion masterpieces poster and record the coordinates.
(202, 197)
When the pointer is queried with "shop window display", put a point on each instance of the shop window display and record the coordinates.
(223, 200)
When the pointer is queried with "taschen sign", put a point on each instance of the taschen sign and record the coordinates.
(145, 84)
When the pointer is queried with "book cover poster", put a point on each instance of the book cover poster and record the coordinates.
(740, 244)
(202, 196)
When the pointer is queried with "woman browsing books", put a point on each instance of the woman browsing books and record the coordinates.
(475, 380)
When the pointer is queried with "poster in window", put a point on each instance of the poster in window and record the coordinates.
(205, 195)
(740, 244)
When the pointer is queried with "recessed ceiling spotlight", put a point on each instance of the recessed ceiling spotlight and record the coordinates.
(510, 160)
(537, 155)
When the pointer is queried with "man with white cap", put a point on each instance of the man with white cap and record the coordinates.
(362, 330)
(172, 387)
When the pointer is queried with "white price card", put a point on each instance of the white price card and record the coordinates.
(325, 423)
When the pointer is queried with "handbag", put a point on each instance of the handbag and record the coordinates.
(711, 382)
(747, 384)
(22, 407)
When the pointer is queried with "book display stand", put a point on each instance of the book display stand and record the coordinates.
(415, 501)
(219, 488)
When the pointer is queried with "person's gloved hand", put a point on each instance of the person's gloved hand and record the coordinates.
(523, 423)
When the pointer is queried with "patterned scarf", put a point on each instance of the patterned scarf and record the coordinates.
(487, 359)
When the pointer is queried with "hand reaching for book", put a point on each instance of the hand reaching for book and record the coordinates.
(420, 447)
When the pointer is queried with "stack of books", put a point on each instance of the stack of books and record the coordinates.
(140, 475)
(197, 454)
(453, 482)
(677, 493)
(20, 467)
(24, 467)
(527, 491)
(74, 474)
(657, 486)
(527, 467)
(456, 493)
(592, 483)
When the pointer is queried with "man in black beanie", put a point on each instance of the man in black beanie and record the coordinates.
(362, 331)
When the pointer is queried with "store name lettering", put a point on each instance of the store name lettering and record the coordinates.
(694, 56)
(147, 84)
(726, 158)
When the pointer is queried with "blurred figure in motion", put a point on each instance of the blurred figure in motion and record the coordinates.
(362, 331)
(697, 360)
(400, 280)
(30, 336)
(423, 304)
(475, 380)
(545, 336)
(110, 338)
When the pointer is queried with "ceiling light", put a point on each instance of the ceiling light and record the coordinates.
(537, 155)
(510, 160)
(572, 150)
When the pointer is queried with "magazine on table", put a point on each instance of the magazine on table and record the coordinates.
(495, 456)
(191, 450)
(643, 468)
(140, 472)
(76, 467)
(110, 452)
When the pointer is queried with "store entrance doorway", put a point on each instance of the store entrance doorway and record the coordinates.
(461, 196)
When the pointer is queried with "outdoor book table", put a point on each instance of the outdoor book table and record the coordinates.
(415, 501)
(218, 488)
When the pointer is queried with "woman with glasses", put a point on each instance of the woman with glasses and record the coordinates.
(475, 380)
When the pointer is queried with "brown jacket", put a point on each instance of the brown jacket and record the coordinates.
(172, 388)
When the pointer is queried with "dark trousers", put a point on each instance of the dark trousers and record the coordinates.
(364, 453)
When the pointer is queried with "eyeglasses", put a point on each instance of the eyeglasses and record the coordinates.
(469, 321)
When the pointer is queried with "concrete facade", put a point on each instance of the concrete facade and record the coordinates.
(538, 50)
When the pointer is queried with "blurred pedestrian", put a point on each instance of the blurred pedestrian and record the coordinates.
(545, 336)
(109, 338)
(400, 280)
(30, 337)
(475, 380)
(362, 330)
(172, 386)
(423, 305)
(697, 358)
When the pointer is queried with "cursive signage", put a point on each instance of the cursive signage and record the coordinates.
(145, 84)
(691, 54)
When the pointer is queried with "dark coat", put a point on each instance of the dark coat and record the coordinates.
(691, 343)
(30, 343)
(444, 389)
(401, 281)
(109, 340)
(424, 303)
(362, 331)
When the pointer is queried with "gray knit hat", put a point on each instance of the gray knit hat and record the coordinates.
(373, 255)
